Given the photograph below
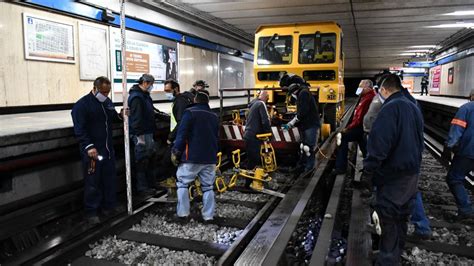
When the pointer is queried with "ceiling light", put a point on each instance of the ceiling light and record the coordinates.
(460, 13)
(407, 54)
(453, 25)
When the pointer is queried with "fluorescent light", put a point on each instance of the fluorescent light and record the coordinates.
(460, 13)
(453, 25)
(407, 54)
(422, 46)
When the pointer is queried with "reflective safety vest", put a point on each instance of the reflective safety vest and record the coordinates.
(173, 122)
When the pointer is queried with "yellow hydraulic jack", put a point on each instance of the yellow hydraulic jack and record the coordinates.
(267, 153)
(196, 190)
(236, 119)
(258, 176)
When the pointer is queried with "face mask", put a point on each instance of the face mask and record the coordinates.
(359, 91)
(149, 88)
(382, 99)
(100, 97)
(169, 96)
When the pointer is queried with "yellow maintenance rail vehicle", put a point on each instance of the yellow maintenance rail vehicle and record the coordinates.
(310, 50)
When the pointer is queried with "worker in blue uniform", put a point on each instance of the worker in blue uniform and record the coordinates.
(461, 141)
(394, 147)
(195, 153)
(142, 128)
(92, 116)
(307, 118)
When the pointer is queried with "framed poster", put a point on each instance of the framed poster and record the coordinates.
(48, 40)
(93, 52)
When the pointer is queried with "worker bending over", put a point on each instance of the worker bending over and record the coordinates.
(461, 141)
(306, 119)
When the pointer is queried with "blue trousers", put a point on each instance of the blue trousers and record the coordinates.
(354, 134)
(144, 155)
(393, 208)
(418, 217)
(460, 167)
(186, 174)
(100, 187)
(309, 138)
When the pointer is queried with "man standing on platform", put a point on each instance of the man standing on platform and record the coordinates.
(424, 85)
(394, 152)
(461, 141)
(195, 153)
(92, 116)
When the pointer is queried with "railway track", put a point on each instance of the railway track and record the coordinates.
(452, 242)
(153, 235)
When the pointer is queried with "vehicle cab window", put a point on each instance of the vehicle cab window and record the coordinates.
(274, 50)
(317, 48)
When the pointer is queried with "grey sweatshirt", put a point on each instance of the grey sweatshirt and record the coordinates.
(372, 113)
(258, 121)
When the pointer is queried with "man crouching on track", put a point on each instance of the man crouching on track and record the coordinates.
(195, 152)
(306, 119)
(394, 147)
(461, 140)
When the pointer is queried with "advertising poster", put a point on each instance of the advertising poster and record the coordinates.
(48, 40)
(142, 57)
(435, 73)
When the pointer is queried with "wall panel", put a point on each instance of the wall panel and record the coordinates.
(27, 82)
(194, 64)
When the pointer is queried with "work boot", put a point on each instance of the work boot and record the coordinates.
(112, 212)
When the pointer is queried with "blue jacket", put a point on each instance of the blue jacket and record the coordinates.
(197, 137)
(93, 124)
(395, 143)
(142, 113)
(461, 133)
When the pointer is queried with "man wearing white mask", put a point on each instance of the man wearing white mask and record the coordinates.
(355, 130)
(93, 116)
(180, 102)
(142, 127)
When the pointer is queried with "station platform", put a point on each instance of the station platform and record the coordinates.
(447, 101)
(24, 123)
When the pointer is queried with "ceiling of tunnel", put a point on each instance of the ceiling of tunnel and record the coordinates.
(377, 33)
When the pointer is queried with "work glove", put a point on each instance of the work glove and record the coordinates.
(141, 140)
(286, 126)
(175, 157)
(169, 142)
(290, 124)
(376, 221)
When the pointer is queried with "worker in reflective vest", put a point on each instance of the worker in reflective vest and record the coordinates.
(180, 102)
